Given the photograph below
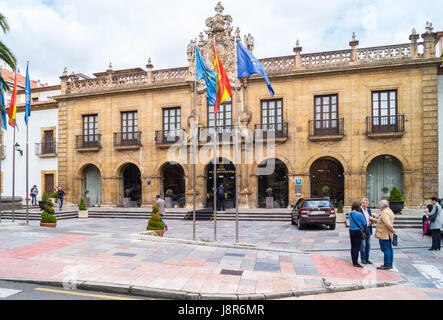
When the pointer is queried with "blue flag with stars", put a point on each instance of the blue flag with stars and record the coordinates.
(206, 74)
(3, 107)
(248, 65)
(27, 96)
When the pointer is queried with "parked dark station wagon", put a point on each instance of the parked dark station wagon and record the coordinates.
(315, 211)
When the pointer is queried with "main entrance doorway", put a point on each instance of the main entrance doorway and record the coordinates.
(92, 183)
(328, 172)
(132, 185)
(278, 181)
(174, 179)
(225, 174)
(383, 172)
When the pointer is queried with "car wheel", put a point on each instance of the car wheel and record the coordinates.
(332, 227)
(300, 225)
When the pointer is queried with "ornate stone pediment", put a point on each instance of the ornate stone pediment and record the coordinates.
(220, 30)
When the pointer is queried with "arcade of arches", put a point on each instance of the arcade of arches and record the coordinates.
(384, 171)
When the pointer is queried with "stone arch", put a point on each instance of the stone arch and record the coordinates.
(174, 180)
(277, 157)
(328, 154)
(85, 165)
(90, 178)
(159, 167)
(404, 162)
(118, 172)
(278, 181)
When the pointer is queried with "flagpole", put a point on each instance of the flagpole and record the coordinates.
(27, 174)
(13, 178)
(237, 162)
(194, 164)
(1, 159)
(215, 168)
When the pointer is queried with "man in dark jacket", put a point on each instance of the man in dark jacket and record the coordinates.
(221, 197)
(61, 197)
(436, 224)
(366, 244)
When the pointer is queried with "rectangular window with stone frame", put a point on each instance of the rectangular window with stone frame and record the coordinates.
(326, 115)
(171, 124)
(384, 111)
(90, 131)
(224, 118)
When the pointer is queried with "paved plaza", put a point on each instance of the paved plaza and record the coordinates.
(278, 259)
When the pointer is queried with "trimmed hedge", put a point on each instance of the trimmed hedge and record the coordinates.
(48, 218)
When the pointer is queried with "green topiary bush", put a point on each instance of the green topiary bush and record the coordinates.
(53, 195)
(45, 197)
(269, 192)
(169, 193)
(49, 207)
(340, 207)
(82, 205)
(155, 222)
(396, 195)
(325, 189)
(48, 218)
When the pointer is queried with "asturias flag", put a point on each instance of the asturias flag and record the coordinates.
(3, 107)
(248, 64)
(224, 91)
(204, 73)
(27, 96)
(12, 106)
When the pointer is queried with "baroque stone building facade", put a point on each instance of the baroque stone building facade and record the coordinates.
(355, 120)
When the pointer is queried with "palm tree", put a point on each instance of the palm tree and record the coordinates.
(5, 54)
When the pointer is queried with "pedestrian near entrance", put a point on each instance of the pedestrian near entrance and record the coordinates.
(221, 191)
(356, 230)
(60, 197)
(34, 193)
(385, 234)
(161, 205)
(435, 217)
(366, 243)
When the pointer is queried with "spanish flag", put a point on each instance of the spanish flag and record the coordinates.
(12, 106)
(224, 91)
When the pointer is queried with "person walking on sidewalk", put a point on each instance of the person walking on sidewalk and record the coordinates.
(435, 217)
(221, 197)
(60, 197)
(385, 234)
(161, 205)
(34, 193)
(356, 229)
(366, 243)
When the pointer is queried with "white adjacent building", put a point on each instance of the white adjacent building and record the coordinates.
(43, 146)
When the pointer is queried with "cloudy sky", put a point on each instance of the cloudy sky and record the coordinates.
(86, 35)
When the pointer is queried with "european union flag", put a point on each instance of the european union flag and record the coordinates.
(204, 73)
(3, 107)
(27, 96)
(248, 64)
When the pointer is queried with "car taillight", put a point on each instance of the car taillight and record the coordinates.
(304, 212)
(332, 211)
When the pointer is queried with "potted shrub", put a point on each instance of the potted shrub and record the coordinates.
(385, 191)
(269, 198)
(42, 203)
(340, 207)
(87, 199)
(155, 223)
(82, 210)
(396, 201)
(127, 199)
(168, 199)
(47, 217)
(325, 191)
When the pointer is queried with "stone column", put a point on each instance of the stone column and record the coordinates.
(353, 44)
(429, 38)
(149, 68)
(414, 45)
(297, 50)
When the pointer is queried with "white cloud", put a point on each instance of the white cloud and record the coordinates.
(86, 35)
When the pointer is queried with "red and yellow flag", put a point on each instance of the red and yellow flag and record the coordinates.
(224, 91)
(12, 106)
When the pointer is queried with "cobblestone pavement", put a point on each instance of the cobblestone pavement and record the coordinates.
(108, 250)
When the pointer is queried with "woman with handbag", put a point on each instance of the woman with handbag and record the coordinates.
(356, 232)
(436, 225)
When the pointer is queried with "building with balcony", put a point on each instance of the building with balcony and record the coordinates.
(355, 120)
(43, 144)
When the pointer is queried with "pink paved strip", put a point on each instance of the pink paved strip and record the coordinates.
(36, 249)
(330, 267)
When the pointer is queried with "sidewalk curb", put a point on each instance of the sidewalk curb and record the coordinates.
(182, 295)
(213, 244)
(10, 224)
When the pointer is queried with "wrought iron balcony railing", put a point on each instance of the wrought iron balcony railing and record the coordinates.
(278, 130)
(47, 148)
(325, 128)
(225, 134)
(385, 125)
(169, 137)
(85, 142)
(128, 139)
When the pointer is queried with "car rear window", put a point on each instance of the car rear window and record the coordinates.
(317, 204)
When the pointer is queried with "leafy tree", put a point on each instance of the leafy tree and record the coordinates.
(6, 55)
